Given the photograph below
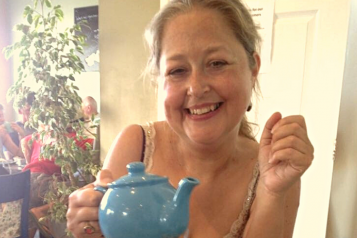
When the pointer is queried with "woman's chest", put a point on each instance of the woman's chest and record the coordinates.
(213, 210)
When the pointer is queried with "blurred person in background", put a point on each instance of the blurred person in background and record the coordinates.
(18, 129)
(5, 139)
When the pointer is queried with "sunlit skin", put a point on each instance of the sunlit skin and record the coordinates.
(208, 83)
(203, 65)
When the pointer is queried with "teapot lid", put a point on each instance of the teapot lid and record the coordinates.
(137, 177)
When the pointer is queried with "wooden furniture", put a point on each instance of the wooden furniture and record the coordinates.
(15, 187)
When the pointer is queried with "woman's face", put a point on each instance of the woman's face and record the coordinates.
(206, 77)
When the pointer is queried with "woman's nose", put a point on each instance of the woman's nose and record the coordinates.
(198, 84)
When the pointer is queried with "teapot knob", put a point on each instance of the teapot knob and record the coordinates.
(136, 168)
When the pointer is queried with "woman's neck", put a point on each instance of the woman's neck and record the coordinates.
(208, 161)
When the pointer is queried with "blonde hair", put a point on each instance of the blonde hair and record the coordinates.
(238, 19)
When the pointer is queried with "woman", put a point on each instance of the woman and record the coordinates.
(5, 139)
(204, 52)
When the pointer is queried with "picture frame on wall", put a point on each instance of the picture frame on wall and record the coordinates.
(90, 58)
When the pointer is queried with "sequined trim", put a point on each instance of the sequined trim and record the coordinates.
(238, 226)
(150, 133)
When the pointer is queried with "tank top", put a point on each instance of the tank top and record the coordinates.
(238, 225)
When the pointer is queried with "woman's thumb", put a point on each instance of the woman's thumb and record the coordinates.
(103, 178)
(266, 134)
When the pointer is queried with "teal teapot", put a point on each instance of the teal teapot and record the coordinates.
(144, 205)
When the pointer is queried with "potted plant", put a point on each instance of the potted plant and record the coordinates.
(49, 56)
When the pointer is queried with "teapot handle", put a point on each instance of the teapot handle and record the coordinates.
(100, 189)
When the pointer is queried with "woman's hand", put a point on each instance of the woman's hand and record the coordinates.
(18, 129)
(83, 208)
(3, 131)
(285, 153)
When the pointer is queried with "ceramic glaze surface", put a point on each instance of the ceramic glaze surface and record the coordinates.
(144, 205)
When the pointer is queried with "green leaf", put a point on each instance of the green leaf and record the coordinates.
(26, 11)
(53, 22)
(48, 3)
(35, 3)
(8, 51)
(36, 19)
(59, 14)
(81, 66)
(29, 18)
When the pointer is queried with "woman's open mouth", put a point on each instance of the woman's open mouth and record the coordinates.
(204, 110)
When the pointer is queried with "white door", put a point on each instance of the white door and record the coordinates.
(308, 55)
(309, 44)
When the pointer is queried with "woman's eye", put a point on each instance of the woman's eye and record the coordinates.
(217, 64)
(176, 72)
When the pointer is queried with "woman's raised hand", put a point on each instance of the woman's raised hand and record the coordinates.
(18, 129)
(82, 214)
(285, 152)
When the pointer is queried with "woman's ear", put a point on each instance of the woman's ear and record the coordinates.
(256, 68)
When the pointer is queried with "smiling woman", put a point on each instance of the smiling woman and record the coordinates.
(205, 53)
(214, 65)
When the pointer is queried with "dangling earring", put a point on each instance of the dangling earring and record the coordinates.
(249, 107)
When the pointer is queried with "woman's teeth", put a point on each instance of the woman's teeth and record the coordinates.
(204, 110)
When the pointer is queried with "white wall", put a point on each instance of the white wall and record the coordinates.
(342, 217)
(5, 66)
(88, 82)
(126, 98)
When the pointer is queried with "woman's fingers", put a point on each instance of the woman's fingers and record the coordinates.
(86, 229)
(292, 142)
(290, 120)
(296, 159)
(76, 216)
(267, 134)
(82, 214)
(89, 226)
(89, 213)
(85, 197)
(293, 129)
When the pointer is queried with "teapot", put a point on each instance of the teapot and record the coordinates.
(144, 205)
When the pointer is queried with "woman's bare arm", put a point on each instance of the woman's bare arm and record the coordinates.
(9, 144)
(272, 216)
(126, 148)
(27, 151)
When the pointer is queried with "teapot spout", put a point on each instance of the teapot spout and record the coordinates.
(175, 219)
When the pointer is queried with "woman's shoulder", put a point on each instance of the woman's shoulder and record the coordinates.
(127, 147)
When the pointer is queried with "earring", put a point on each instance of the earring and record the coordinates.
(249, 107)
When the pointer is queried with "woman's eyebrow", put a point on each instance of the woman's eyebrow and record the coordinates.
(207, 51)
